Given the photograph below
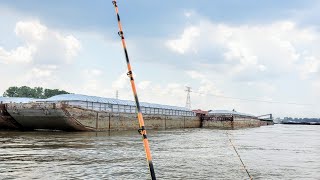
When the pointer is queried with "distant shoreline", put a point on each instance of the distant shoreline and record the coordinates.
(302, 123)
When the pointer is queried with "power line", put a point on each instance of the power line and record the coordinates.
(253, 100)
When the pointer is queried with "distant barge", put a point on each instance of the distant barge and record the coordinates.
(302, 123)
(73, 112)
(232, 120)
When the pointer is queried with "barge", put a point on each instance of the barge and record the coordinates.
(229, 120)
(75, 112)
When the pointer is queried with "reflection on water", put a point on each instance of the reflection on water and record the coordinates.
(271, 152)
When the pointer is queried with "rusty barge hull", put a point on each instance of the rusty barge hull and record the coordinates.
(62, 116)
(229, 122)
(6, 121)
(59, 116)
(33, 116)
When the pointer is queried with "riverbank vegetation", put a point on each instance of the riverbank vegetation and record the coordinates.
(36, 92)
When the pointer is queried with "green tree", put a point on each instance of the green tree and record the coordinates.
(52, 92)
(26, 91)
(11, 92)
(36, 92)
(39, 92)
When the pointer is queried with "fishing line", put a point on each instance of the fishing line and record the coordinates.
(239, 156)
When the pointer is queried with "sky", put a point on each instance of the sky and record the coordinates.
(256, 58)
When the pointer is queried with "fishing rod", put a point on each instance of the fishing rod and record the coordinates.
(142, 129)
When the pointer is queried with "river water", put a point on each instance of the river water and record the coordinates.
(269, 152)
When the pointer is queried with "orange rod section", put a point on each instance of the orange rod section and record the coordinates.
(142, 129)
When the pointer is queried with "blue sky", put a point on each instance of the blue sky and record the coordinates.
(266, 51)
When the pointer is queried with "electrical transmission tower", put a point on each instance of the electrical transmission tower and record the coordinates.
(117, 94)
(188, 102)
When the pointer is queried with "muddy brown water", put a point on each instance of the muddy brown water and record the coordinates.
(269, 152)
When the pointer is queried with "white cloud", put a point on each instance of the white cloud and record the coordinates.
(316, 87)
(93, 72)
(195, 74)
(271, 48)
(19, 55)
(187, 14)
(30, 31)
(121, 82)
(268, 57)
(183, 44)
(41, 75)
(207, 85)
(144, 84)
(43, 71)
(262, 67)
(264, 87)
(72, 46)
(311, 65)
(170, 93)
(41, 45)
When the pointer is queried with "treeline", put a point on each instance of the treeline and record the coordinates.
(36, 92)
